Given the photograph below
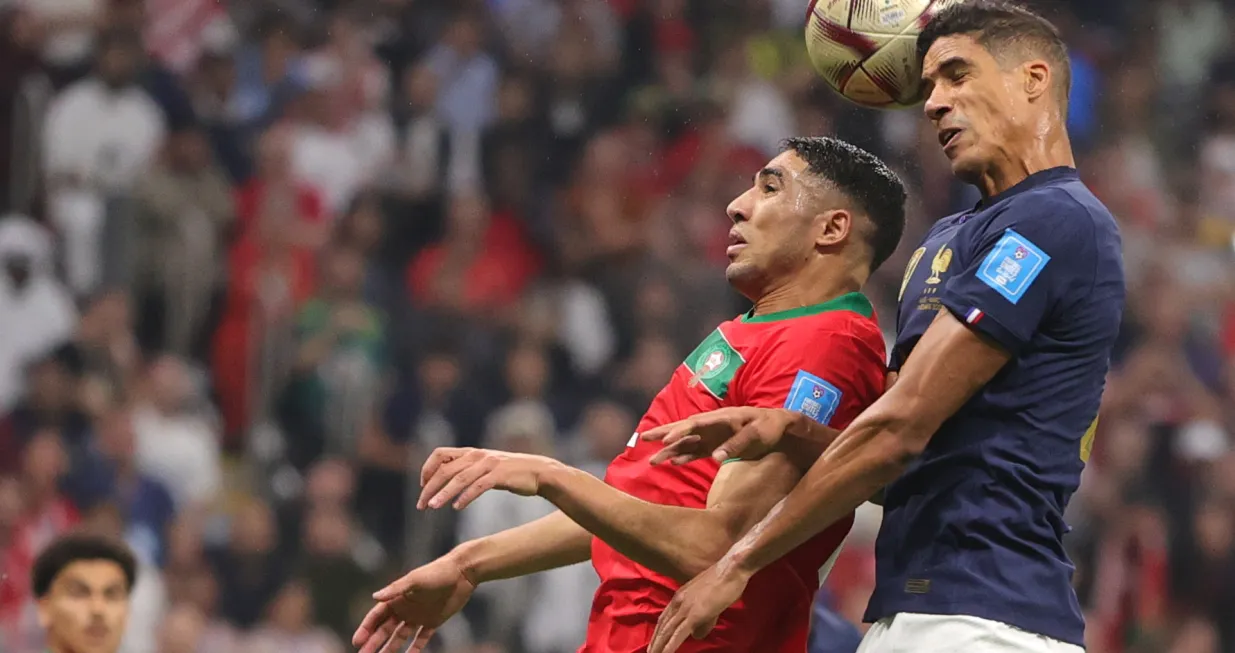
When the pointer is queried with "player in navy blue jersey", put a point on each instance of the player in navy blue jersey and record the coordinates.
(1007, 316)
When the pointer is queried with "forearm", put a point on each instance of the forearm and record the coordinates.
(547, 543)
(865, 458)
(677, 542)
(805, 441)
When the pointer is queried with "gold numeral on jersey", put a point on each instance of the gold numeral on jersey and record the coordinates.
(1087, 440)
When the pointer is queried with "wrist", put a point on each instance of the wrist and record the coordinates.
(551, 478)
(798, 426)
(469, 557)
(738, 563)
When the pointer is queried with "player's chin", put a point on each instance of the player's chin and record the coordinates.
(965, 165)
(738, 271)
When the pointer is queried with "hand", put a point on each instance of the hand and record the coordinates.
(697, 605)
(412, 608)
(740, 432)
(464, 474)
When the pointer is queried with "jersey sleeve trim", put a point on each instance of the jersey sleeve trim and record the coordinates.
(983, 323)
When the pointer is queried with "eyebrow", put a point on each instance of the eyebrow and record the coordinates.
(770, 172)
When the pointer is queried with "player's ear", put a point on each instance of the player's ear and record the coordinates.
(832, 227)
(1037, 78)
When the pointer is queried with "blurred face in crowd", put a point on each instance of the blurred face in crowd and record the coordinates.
(527, 372)
(44, 462)
(86, 609)
(328, 531)
(1214, 529)
(774, 226)
(24, 30)
(188, 150)
(981, 110)
(291, 611)
(12, 505)
(607, 427)
(50, 386)
(330, 483)
(363, 225)
(345, 272)
(118, 63)
(169, 384)
(253, 529)
(420, 87)
(182, 630)
(105, 520)
(184, 542)
(116, 439)
(439, 374)
(464, 37)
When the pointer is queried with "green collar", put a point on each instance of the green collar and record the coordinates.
(854, 301)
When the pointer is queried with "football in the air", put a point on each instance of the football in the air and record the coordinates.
(867, 49)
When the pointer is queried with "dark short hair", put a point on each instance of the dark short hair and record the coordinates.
(1004, 29)
(79, 547)
(865, 180)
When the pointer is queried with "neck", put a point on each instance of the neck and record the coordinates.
(809, 287)
(1052, 151)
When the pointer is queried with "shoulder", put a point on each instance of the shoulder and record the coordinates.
(835, 334)
(1065, 213)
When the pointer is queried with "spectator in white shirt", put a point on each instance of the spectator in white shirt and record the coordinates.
(101, 134)
(177, 444)
(36, 311)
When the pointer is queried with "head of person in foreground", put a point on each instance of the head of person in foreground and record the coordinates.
(822, 213)
(82, 584)
(996, 80)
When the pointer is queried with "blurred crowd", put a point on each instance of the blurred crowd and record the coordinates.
(258, 258)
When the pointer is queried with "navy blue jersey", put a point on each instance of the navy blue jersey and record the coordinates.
(975, 525)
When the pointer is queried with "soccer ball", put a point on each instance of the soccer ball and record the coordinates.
(867, 49)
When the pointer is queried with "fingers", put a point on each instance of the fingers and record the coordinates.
(371, 623)
(686, 446)
(397, 639)
(400, 587)
(439, 457)
(670, 633)
(421, 640)
(376, 638)
(664, 625)
(738, 446)
(451, 478)
(478, 487)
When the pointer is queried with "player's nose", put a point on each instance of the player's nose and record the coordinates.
(738, 211)
(937, 105)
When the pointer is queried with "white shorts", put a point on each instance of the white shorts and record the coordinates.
(928, 633)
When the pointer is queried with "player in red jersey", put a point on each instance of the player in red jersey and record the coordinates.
(817, 221)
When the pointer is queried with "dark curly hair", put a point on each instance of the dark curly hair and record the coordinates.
(863, 178)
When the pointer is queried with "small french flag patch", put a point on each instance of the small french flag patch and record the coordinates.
(973, 316)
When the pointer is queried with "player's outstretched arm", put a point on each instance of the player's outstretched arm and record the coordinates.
(412, 607)
(949, 364)
(675, 541)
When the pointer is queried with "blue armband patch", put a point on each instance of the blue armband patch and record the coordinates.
(813, 397)
(1012, 265)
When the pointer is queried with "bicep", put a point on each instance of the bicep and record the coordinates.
(745, 490)
(950, 363)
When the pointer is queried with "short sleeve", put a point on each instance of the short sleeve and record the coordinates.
(1022, 268)
(829, 370)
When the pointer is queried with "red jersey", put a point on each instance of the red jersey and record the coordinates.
(827, 361)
